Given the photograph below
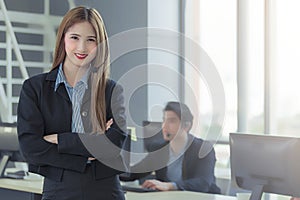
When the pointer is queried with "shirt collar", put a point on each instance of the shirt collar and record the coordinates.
(62, 79)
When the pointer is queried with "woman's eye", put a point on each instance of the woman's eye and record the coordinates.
(91, 40)
(74, 37)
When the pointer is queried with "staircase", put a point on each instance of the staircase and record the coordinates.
(26, 45)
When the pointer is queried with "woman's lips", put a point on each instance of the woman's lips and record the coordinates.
(80, 56)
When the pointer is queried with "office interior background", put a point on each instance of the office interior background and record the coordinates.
(252, 43)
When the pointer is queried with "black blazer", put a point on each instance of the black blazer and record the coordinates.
(43, 111)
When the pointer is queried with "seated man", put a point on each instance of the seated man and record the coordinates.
(185, 168)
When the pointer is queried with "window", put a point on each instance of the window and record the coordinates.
(287, 67)
(254, 46)
(215, 32)
(214, 29)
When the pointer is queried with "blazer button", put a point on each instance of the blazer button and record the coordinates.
(84, 113)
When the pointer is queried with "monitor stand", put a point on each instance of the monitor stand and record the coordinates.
(3, 164)
(257, 192)
(14, 175)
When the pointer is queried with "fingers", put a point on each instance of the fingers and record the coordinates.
(51, 138)
(109, 123)
(152, 184)
(158, 185)
(149, 184)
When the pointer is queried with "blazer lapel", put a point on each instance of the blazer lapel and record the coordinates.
(87, 97)
(61, 90)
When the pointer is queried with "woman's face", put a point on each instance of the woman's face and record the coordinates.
(80, 45)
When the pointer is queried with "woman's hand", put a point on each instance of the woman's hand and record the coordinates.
(51, 138)
(109, 123)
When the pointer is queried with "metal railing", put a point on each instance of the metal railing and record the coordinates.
(13, 62)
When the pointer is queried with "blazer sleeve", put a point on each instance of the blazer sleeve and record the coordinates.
(31, 131)
(199, 173)
(100, 146)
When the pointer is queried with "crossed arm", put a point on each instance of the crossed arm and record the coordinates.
(53, 138)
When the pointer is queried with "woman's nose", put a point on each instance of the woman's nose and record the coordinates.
(81, 46)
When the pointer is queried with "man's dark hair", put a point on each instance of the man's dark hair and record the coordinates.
(182, 111)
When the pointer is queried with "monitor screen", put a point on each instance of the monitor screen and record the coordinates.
(9, 138)
(9, 146)
(265, 163)
(139, 146)
(153, 138)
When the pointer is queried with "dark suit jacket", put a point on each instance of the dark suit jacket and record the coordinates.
(43, 111)
(197, 168)
(197, 171)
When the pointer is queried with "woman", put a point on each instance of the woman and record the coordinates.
(73, 110)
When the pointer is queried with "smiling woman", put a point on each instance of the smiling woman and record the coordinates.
(60, 108)
(80, 39)
(80, 45)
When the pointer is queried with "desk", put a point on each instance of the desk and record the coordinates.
(31, 190)
(11, 189)
(33, 186)
(176, 195)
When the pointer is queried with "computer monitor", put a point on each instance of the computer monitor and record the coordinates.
(153, 137)
(128, 143)
(9, 147)
(138, 148)
(265, 163)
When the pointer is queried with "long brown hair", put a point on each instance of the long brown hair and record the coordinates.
(100, 65)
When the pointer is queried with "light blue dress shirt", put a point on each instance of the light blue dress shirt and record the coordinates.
(76, 94)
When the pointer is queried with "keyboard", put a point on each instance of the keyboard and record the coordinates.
(16, 175)
(137, 188)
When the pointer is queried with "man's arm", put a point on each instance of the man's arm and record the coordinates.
(199, 172)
